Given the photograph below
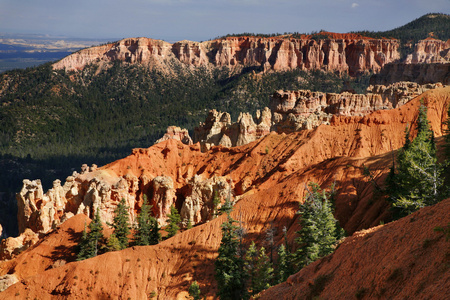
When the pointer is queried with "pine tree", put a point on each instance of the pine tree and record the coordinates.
(319, 229)
(90, 241)
(216, 202)
(418, 180)
(251, 261)
(229, 265)
(447, 146)
(174, 221)
(113, 243)
(194, 291)
(285, 266)
(144, 225)
(121, 225)
(308, 235)
(264, 272)
(155, 235)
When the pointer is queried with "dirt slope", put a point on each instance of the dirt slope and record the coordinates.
(276, 168)
(405, 259)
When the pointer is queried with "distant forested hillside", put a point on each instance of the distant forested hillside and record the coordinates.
(52, 122)
(434, 25)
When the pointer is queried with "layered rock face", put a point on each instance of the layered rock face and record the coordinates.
(430, 51)
(292, 111)
(219, 130)
(343, 55)
(429, 63)
(419, 73)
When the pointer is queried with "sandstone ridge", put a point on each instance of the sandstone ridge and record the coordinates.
(342, 55)
(292, 111)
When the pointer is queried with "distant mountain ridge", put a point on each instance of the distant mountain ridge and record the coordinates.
(353, 56)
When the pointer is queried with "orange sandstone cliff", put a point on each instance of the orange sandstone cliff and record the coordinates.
(345, 54)
(268, 177)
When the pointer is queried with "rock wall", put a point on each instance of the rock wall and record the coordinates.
(292, 111)
(429, 63)
(96, 189)
(430, 51)
(353, 56)
(419, 73)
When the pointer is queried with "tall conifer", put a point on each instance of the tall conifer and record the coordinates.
(90, 241)
(120, 224)
(174, 222)
(229, 265)
(417, 180)
(319, 229)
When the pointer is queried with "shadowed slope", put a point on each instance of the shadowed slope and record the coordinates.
(403, 259)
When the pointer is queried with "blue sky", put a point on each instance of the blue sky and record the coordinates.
(200, 20)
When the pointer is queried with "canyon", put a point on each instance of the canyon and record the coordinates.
(267, 177)
(262, 162)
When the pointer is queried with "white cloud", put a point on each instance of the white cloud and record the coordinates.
(355, 5)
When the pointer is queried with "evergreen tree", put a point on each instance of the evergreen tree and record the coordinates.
(447, 146)
(417, 181)
(113, 243)
(319, 229)
(90, 241)
(120, 224)
(264, 272)
(174, 221)
(285, 260)
(229, 265)
(194, 291)
(145, 226)
(251, 262)
(155, 235)
(216, 202)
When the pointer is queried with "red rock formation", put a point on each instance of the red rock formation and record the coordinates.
(338, 55)
(176, 133)
(292, 111)
(271, 174)
(430, 51)
(429, 63)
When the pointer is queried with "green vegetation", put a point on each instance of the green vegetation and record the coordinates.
(285, 266)
(240, 275)
(229, 265)
(52, 122)
(419, 29)
(90, 241)
(120, 224)
(416, 180)
(147, 231)
(319, 229)
(194, 291)
(259, 269)
(174, 222)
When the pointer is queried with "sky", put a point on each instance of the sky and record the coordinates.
(200, 20)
